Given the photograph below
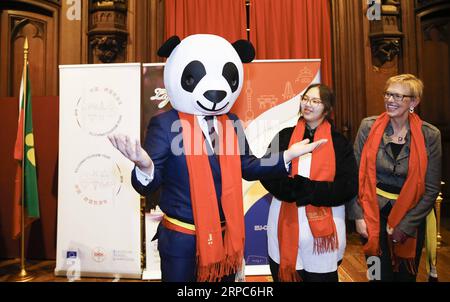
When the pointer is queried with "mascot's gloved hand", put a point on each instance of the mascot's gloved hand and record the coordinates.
(303, 191)
(398, 236)
(296, 189)
(133, 151)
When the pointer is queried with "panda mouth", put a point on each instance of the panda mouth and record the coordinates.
(213, 108)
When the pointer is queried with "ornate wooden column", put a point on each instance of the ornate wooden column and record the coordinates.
(385, 35)
(146, 30)
(107, 31)
(368, 49)
(349, 70)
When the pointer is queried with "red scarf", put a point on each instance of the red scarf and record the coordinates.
(217, 256)
(412, 190)
(320, 219)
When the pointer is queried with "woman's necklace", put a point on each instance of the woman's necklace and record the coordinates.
(399, 138)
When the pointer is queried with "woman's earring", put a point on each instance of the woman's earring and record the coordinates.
(411, 109)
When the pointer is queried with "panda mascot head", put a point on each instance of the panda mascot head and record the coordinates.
(204, 73)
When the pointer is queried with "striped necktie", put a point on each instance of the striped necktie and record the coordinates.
(214, 136)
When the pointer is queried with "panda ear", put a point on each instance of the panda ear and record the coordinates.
(166, 49)
(245, 50)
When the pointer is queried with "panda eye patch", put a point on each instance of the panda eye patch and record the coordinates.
(189, 81)
(231, 74)
(192, 75)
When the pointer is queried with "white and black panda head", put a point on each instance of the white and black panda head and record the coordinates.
(204, 73)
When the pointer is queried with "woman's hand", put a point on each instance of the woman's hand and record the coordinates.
(302, 148)
(389, 230)
(398, 236)
(361, 228)
(133, 151)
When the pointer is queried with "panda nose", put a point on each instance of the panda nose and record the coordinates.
(215, 96)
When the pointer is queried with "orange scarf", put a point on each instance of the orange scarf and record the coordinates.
(411, 192)
(320, 219)
(217, 256)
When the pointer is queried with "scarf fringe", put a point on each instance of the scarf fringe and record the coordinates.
(214, 272)
(289, 274)
(372, 247)
(410, 264)
(323, 245)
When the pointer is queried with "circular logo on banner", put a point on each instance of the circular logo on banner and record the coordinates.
(98, 113)
(99, 179)
(98, 254)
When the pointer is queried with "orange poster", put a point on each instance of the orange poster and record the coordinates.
(268, 84)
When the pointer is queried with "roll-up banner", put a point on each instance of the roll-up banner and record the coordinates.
(99, 228)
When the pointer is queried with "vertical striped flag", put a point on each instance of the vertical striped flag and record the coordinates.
(24, 153)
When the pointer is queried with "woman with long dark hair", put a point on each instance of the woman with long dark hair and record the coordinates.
(306, 225)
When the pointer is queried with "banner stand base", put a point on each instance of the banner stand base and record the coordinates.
(151, 275)
(257, 270)
(74, 276)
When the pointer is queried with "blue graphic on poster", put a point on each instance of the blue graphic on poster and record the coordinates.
(256, 232)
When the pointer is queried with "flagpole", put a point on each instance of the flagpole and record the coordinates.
(23, 276)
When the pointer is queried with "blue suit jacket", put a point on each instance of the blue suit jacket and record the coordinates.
(171, 173)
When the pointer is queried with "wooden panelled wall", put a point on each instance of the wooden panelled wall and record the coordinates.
(146, 30)
(38, 22)
(78, 32)
(432, 37)
(62, 32)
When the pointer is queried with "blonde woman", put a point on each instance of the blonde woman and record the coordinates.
(399, 158)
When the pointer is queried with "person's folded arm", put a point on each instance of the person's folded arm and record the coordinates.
(304, 191)
(345, 186)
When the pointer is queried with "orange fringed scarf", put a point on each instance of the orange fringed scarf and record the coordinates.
(323, 168)
(412, 190)
(217, 256)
